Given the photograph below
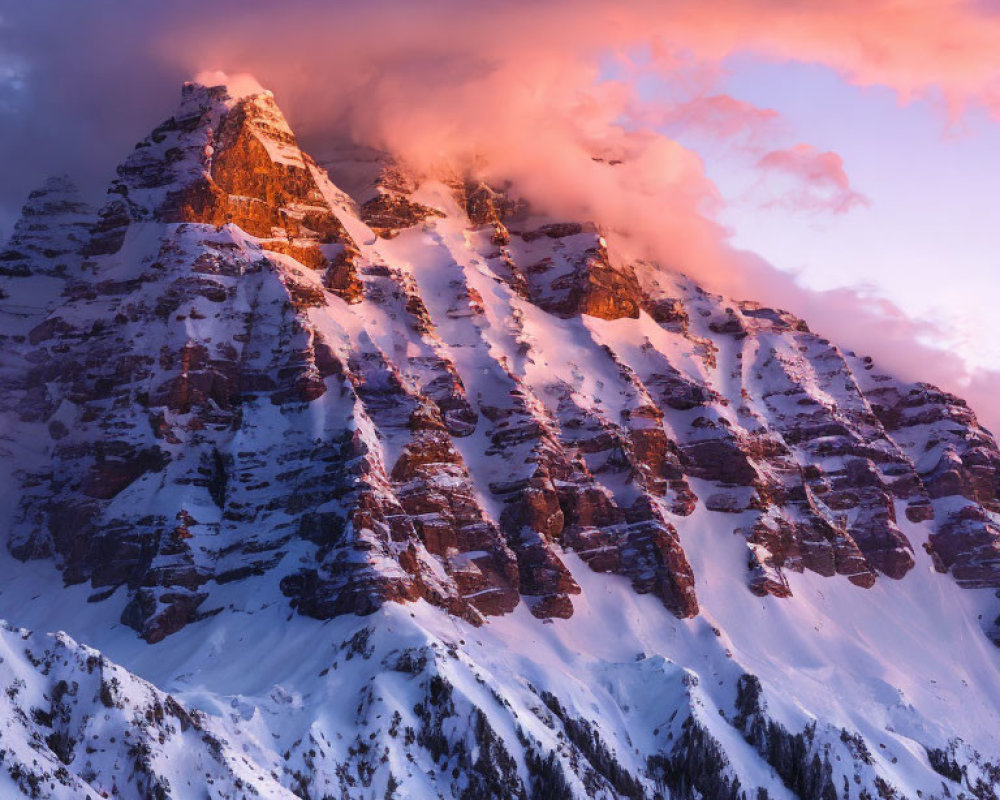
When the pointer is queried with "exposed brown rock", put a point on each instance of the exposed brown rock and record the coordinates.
(389, 212)
(968, 544)
(668, 311)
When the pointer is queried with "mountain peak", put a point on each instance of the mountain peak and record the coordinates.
(50, 233)
(227, 157)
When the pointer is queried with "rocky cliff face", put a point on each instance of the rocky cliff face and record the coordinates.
(238, 365)
(425, 391)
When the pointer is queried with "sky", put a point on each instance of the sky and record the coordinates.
(838, 159)
(925, 234)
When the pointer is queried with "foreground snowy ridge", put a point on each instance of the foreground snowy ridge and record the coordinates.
(620, 701)
(608, 534)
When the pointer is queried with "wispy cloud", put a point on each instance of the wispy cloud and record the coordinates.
(718, 116)
(814, 180)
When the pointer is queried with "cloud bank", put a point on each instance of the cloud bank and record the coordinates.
(532, 91)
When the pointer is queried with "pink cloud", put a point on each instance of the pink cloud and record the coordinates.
(518, 86)
(821, 184)
(921, 49)
(719, 116)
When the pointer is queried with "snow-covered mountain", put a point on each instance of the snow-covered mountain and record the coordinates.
(402, 489)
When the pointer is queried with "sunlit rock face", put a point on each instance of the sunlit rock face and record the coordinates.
(428, 391)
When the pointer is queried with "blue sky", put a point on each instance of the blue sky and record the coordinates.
(927, 239)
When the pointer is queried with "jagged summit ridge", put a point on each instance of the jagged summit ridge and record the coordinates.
(429, 391)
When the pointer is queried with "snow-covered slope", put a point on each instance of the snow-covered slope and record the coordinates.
(415, 492)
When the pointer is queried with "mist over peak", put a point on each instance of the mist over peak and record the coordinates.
(529, 93)
(238, 85)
